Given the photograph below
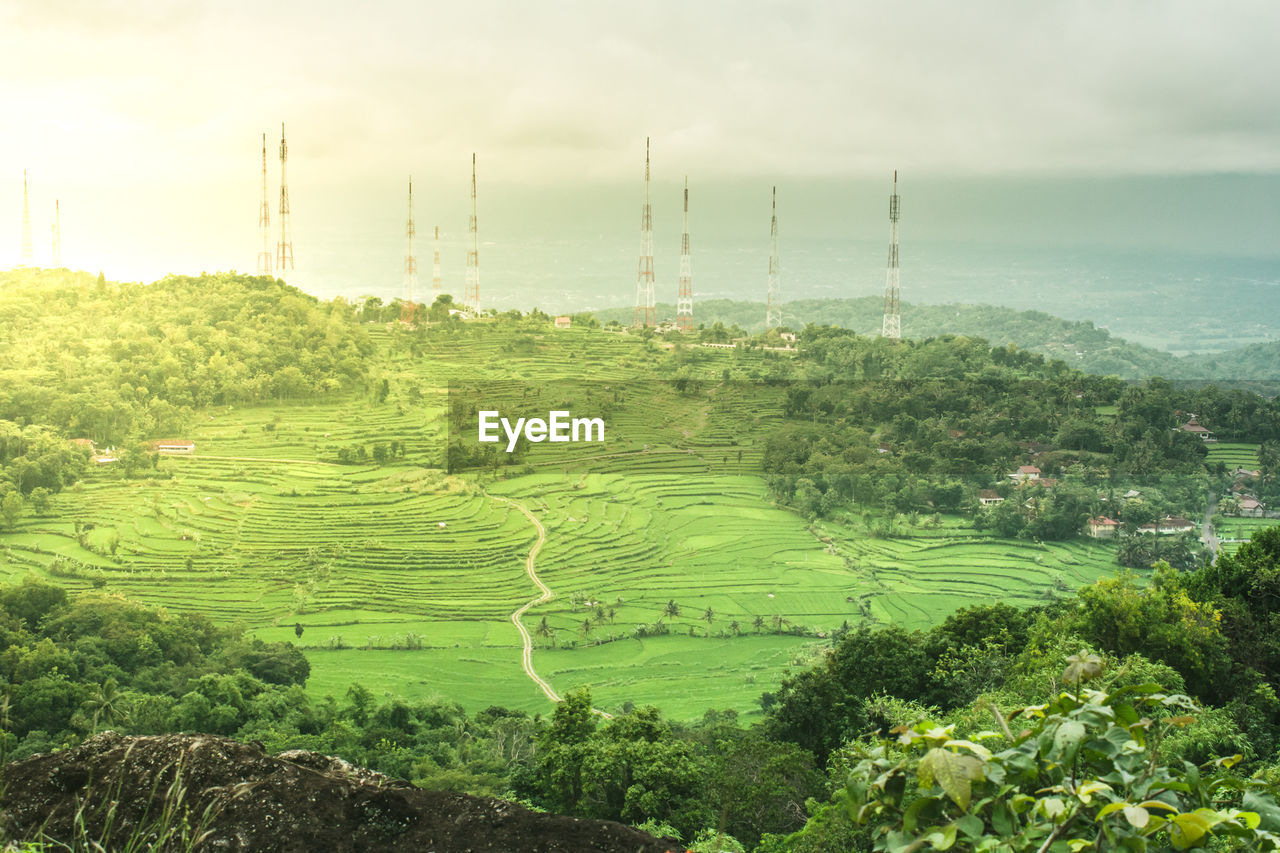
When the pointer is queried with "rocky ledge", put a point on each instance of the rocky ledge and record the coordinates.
(207, 793)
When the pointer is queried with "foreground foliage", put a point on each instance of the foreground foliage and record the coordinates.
(1083, 773)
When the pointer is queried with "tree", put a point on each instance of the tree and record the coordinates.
(1083, 772)
(709, 616)
(671, 610)
(11, 508)
(106, 705)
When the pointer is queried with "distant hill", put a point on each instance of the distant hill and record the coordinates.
(1078, 343)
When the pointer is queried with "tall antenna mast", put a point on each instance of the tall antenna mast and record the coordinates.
(284, 251)
(28, 254)
(892, 327)
(644, 281)
(410, 264)
(264, 218)
(773, 308)
(471, 295)
(684, 298)
(57, 234)
(435, 265)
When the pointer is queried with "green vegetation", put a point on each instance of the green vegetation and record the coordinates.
(988, 744)
(789, 536)
(1079, 344)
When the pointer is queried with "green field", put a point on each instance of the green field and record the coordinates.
(1233, 455)
(404, 578)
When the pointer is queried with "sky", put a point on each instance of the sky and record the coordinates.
(144, 118)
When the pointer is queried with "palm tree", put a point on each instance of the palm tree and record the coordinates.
(757, 623)
(586, 627)
(709, 617)
(107, 704)
(545, 631)
(672, 609)
(735, 628)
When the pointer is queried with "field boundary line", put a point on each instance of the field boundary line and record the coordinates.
(526, 653)
(254, 459)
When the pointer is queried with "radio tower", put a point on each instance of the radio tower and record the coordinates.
(264, 218)
(410, 264)
(644, 282)
(892, 327)
(28, 254)
(284, 250)
(435, 265)
(57, 234)
(471, 295)
(684, 299)
(773, 310)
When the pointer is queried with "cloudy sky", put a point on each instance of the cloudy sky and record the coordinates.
(145, 117)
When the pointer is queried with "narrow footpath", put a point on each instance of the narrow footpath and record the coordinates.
(526, 655)
(1207, 534)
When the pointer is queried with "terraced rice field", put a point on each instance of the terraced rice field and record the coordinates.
(403, 578)
(1236, 531)
(1233, 455)
(916, 581)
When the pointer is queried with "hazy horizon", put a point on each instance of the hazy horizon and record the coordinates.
(1014, 127)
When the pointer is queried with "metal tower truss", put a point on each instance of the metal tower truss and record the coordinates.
(471, 295)
(892, 326)
(28, 253)
(410, 307)
(57, 234)
(284, 250)
(773, 308)
(264, 218)
(435, 265)
(684, 297)
(644, 280)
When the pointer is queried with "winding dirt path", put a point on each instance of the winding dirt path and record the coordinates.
(526, 654)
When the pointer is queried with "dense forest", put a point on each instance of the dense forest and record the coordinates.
(115, 361)
(113, 364)
(922, 427)
(1187, 667)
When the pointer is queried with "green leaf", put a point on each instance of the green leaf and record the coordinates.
(1187, 829)
(952, 771)
(1082, 667)
(943, 837)
(1067, 739)
(1265, 807)
(1137, 815)
(971, 825)
(977, 749)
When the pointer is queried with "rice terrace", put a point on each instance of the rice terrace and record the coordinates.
(675, 578)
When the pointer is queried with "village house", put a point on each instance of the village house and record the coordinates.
(1024, 473)
(1198, 430)
(1102, 527)
(1167, 526)
(563, 322)
(990, 497)
(173, 446)
(1251, 507)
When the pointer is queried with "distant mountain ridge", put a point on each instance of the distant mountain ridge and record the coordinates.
(1079, 343)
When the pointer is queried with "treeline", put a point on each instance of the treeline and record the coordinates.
(113, 361)
(71, 667)
(922, 426)
(1078, 343)
(1213, 634)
